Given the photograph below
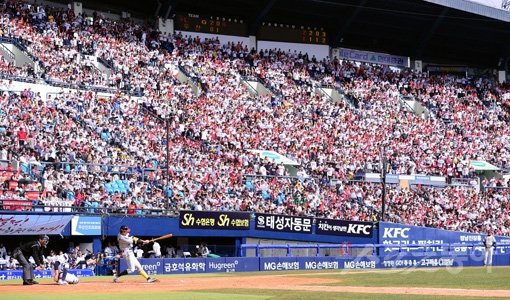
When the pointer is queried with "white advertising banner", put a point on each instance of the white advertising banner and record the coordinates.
(84, 225)
(33, 224)
(372, 57)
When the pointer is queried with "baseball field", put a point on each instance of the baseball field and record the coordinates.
(458, 283)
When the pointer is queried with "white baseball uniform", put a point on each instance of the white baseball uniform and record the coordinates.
(490, 242)
(61, 273)
(126, 247)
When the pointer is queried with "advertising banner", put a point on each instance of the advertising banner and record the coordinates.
(178, 266)
(18, 274)
(344, 228)
(412, 236)
(197, 265)
(233, 264)
(447, 69)
(374, 57)
(81, 225)
(9, 204)
(33, 224)
(191, 219)
(251, 264)
(283, 223)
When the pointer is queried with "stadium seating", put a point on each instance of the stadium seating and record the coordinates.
(100, 151)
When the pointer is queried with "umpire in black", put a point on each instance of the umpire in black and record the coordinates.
(34, 249)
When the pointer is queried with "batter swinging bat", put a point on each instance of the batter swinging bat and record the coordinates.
(166, 236)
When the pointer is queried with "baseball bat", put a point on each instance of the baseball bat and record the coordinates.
(166, 236)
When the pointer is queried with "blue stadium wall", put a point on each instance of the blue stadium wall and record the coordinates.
(253, 264)
(383, 233)
(159, 226)
(395, 246)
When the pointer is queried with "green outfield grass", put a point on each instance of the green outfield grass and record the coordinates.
(303, 295)
(497, 278)
(239, 295)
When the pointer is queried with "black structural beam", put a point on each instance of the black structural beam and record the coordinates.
(254, 25)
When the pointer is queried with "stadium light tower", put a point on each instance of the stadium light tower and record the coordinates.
(383, 164)
(165, 119)
(167, 125)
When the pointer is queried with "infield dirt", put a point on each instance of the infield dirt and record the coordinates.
(266, 282)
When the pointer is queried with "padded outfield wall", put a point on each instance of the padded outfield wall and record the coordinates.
(244, 228)
(384, 245)
(253, 264)
(391, 246)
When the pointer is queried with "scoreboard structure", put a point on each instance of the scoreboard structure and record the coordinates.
(238, 27)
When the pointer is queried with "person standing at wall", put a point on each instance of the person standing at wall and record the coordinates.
(156, 247)
(203, 251)
(3, 251)
(489, 243)
(170, 252)
(34, 249)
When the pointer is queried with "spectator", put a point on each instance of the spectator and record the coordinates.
(12, 264)
(202, 251)
(171, 252)
(3, 251)
(156, 250)
(111, 250)
(88, 152)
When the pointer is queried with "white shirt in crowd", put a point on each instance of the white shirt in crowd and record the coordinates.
(156, 247)
(139, 252)
(3, 252)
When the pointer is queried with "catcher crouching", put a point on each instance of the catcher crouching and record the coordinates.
(61, 267)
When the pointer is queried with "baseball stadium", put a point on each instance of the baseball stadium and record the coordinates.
(254, 149)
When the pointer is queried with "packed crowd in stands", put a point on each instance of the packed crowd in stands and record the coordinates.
(83, 150)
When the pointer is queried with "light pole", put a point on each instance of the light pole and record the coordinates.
(166, 120)
(384, 166)
(167, 124)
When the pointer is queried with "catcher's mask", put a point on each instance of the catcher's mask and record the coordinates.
(44, 240)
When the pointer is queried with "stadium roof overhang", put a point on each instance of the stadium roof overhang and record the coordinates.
(475, 8)
(421, 29)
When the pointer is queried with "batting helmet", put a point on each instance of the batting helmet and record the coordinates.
(124, 228)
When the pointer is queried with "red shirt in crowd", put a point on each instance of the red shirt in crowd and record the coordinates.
(22, 135)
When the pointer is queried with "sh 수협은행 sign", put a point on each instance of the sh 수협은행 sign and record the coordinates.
(214, 220)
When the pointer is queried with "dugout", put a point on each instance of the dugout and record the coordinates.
(96, 231)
